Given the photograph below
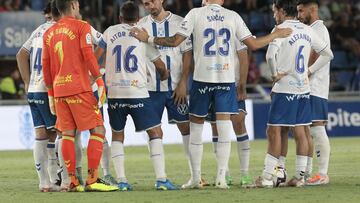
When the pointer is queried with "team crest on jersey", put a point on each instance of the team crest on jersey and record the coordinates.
(183, 109)
(161, 31)
(26, 131)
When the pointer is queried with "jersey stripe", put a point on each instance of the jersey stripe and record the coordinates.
(168, 62)
(154, 29)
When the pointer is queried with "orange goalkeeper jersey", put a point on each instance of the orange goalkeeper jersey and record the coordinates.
(68, 57)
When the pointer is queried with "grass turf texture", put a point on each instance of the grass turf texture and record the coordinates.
(19, 182)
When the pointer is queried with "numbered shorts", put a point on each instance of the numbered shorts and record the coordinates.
(40, 110)
(176, 113)
(141, 111)
(221, 95)
(79, 112)
(290, 110)
(319, 108)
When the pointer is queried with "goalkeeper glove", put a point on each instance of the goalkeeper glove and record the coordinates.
(101, 91)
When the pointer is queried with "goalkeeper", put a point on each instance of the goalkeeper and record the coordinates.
(67, 59)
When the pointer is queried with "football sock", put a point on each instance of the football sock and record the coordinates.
(118, 157)
(158, 158)
(243, 150)
(186, 139)
(282, 161)
(94, 150)
(301, 162)
(41, 162)
(225, 128)
(309, 166)
(52, 162)
(322, 147)
(196, 149)
(270, 164)
(105, 158)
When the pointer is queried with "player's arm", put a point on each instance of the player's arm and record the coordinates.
(143, 36)
(322, 48)
(155, 57)
(22, 58)
(271, 61)
(244, 69)
(256, 43)
(180, 91)
(325, 57)
(48, 79)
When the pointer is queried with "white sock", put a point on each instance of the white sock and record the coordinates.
(196, 149)
(186, 139)
(52, 162)
(225, 129)
(41, 162)
(78, 153)
(322, 147)
(309, 167)
(118, 157)
(158, 158)
(105, 158)
(65, 180)
(243, 149)
(301, 162)
(282, 161)
(270, 164)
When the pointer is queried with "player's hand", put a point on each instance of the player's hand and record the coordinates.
(282, 32)
(164, 74)
(278, 77)
(241, 92)
(179, 94)
(139, 34)
(101, 91)
(51, 101)
(26, 87)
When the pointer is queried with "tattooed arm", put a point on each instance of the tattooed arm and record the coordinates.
(143, 36)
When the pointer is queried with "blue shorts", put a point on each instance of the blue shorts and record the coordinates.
(290, 109)
(40, 110)
(141, 111)
(222, 95)
(211, 117)
(319, 108)
(176, 113)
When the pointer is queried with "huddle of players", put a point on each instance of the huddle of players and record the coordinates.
(130, 63)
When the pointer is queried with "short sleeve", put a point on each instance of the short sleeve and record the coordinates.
(186, 45)
(317, 43)
(240, 46)
(103, 40)
(187, 25)
(151, 53)
(96, 36)
(242, 31)
(28, 43)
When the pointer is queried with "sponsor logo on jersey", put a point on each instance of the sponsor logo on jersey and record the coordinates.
(218, 67)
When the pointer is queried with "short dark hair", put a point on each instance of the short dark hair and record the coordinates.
(130, 11)
(47, 8)
(54, 10)
(289, 6)
(63, 5)
(306, 2)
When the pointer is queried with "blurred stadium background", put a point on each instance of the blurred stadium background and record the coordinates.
(18, 18)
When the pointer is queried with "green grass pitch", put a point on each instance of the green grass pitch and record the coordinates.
(18, 179)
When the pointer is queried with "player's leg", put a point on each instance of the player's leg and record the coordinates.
(243, 146)
(40, 146)
(284, 146)
(303, 119)
(199, 106)
(319, 111)
(87, 115)
(117, 117)
(225, 105)
(309, 165)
